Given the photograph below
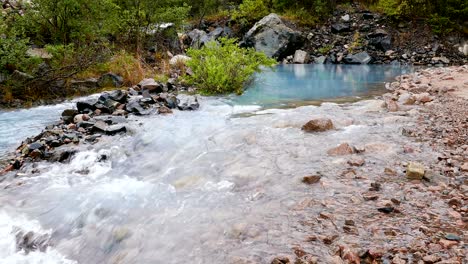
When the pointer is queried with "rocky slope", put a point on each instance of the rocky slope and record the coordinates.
(412, 212)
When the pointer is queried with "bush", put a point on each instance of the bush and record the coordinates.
(250, 11)
(220, 68)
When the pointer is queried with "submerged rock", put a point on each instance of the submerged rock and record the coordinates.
(342, 149)
(318, 125)
(188, 102)
(311, 179)
(415, 171)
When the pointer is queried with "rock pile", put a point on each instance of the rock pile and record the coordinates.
(105, 115)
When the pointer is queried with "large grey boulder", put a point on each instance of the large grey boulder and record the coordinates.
(380, 39)
(358, 58)
(271, 36)
(198, 38)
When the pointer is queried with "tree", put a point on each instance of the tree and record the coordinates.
(138, 17)
(68, 21)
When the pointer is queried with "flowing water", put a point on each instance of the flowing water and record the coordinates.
(210, 186)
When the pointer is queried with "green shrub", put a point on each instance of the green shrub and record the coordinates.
(220, 68)
(250, 11)
(13, 56)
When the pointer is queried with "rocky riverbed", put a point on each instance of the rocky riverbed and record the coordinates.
(377, 181)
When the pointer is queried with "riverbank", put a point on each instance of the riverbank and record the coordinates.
(258, 186)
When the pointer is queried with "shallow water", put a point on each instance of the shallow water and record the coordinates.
(293, 84)
(210, 186)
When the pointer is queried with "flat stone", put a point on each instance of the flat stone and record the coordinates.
(318, 125)
(151, 85)
(415, 171)
(447, 243)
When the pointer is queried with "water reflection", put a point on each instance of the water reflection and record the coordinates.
(306, 82)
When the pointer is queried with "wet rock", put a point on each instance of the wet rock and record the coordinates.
(86, 106)
(281, 260)
(356, 161)
(447, 243)
(271, 36)
(188, 103)
(318, 125)
(133, 106)
(68, 115)
(311, 179)
(390, 172)
(115, 129)
(30, 241)
(80, 118)
(35, 146)
(62, 155)
(340, 28)
(386, 210)
(452, 237)
(118, 96)
(151, 85)
(342, 149)
(415, 171)
(301, 57)
(358, 58)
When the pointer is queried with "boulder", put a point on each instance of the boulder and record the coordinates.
(342, 149)
(301, 57)
(194, 38)
(118, 96)
(318, 125)
(340, 28)
(380, 39)
(179, 59)
(358, 58)
(271, 36)
(110, 80)
(187, 102)
(415, 171)
(68, 115)
(86, 106)
(320, 60)
(134, 107)
(151, 85)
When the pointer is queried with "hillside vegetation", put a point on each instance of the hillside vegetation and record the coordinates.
(44, 43)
